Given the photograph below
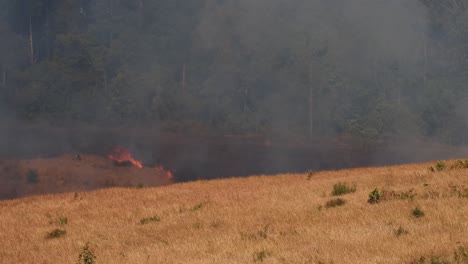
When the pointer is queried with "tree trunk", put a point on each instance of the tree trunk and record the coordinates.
(47, 35)
(31, 43)
(183, 76)
(311, 111)
(425, 63)
(4, 75)
(111, 14)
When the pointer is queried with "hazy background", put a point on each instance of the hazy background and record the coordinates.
(236, 86)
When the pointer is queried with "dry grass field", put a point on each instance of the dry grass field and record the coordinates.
(269, 219)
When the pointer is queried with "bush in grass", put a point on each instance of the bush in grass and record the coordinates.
(56, 233)
(149, 220)
(374, 196)
(417, 212)
(86, 256)
(342, 188)
(335, 202)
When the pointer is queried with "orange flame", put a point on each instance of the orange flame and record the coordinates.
(122, 155)
(167, 173)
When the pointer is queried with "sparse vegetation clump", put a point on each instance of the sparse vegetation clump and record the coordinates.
(417, 212)
(375, 196)
(460, 164)
(261, 234)
(461, 255)
(150, 220)
(401, 231)
(335, 202)
(440, 166)
(62, 221)
(32, 176)
(399, 195)
(86, 256)
(260, 256)
(197, 207)
(56, 233)
(342, 188)
(457, 165)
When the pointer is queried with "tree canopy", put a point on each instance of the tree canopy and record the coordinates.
(369, 68)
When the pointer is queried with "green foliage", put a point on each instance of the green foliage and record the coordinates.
(400, 231)
(62, 221)
(342, 188)
(335, 202)
(461, 255)
(149, 220)
(375, 196)
(440, 166)
(417, 212)
(32, 176)
(86, 256)
(165, 61)
(56, 233)
(260, 256)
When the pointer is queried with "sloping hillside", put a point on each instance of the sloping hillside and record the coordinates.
(70, 173)
(420, 215)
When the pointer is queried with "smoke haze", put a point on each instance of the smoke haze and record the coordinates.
(219, 88)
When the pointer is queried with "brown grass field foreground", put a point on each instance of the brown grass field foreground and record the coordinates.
(418, 214)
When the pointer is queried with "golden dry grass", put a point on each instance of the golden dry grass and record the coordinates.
(274, 219)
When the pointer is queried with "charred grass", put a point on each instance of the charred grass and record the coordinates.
(270, 219)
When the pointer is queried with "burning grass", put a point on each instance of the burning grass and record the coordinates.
(270, 219)
(71, 173)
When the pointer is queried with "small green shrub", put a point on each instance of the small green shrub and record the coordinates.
(62, 221)
(342, 188)
(86, 256)
(461, 255)
(374, 196)
(440, 166)
(400, 231)
(335, 202)
(56, 233)
(261, 255)
(149, 220)
(32, 176)
(417, 212)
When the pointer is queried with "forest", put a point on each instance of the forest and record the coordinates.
(364, 68)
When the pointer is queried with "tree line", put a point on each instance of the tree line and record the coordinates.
(365, 68)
